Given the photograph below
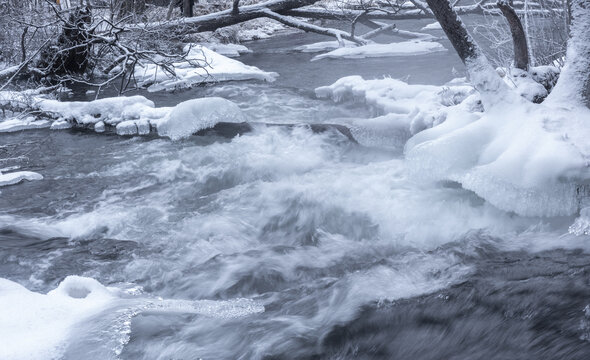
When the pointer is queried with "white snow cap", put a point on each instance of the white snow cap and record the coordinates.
(404, 48)
(191, 116)
(202, 65)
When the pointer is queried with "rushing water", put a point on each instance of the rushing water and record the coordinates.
(348, 257)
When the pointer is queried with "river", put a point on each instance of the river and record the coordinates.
(348, 257)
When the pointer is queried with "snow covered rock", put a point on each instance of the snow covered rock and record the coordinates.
(203, 65)
(193, 115)
(404, 48)
(17, 177)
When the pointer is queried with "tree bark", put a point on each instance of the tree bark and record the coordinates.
(482, 75)
(574, 81)
(521, 50)
(187, 8)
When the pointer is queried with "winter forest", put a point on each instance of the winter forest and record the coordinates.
(294, 179)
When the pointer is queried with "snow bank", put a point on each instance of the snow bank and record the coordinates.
(202, 66)
(198, 114)
(133, 115)
(406, 109)
(404, 48)
(16, 177)
(82, 316)
(433, 26)
(36, 326)
(230, 50)
(519, 157)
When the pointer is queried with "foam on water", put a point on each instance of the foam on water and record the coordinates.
(310, 226)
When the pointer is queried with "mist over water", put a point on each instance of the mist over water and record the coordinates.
(307, 244)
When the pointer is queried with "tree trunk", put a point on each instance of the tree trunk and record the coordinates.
(574, 81)
(521, 51)
(70, 55)
(187, 8)
(236, 7)
(482, 75)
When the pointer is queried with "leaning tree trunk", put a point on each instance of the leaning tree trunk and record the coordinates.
(187, 8)
(574, 81)
(482, 75)
(521, 50)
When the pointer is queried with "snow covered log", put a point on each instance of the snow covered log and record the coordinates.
(214, 21)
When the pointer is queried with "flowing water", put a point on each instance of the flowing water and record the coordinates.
(348, 257)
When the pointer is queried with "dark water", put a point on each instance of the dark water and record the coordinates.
(349, 257)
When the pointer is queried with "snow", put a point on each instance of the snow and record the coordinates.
(406, 109)
(35, 326)
(323, 46)
(193, 115)
(433, 26)
(511, 156)
(203, 65)
(28, 123)
(404, 48)
(519, 156)
(230, 50)
(57, 324)
(17, 177)
(129, 116)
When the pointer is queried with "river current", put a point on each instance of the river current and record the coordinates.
(347, 256)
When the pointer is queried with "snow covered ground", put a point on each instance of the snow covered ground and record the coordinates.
(202, 65)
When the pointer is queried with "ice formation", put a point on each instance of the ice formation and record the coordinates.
(40, 326)
(18, 176)
(323, 46)
(519, 156)
(404, 48)
(202, 65)
(405, 109)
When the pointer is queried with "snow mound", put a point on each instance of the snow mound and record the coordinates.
(17, 177)
(433, 26)
(405, 109)
(82, 316)
(193, 115)
(111, 111)
(202, 65)
(35, 326)
(404, 48)
(229, 50)
(514, 156)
